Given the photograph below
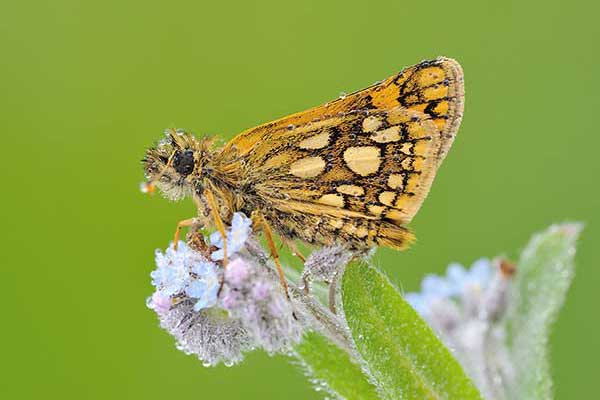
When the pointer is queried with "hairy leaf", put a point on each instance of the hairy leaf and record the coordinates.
(331, 369)
(400, 350)
(544, 273)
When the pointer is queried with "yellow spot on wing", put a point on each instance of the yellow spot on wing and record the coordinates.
(391, 134)
(351, 190)
(371, 124)
(387, 198)
(335, 200)
(307, 167)
(395, 181)
(376, 210)
(406, 148)
(363, 160)
(317, 141)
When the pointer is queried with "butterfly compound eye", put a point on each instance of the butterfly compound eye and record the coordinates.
(183, 162)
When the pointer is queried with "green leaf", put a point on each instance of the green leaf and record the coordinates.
(400, 350)
(544, 274)
(332, 370)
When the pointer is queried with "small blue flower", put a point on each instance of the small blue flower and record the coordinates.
(203, 267)
(456, 275)
(435, 286)
(196, 289)
(204, 291)
(457, 284)
(172, 274)
(480, 274)
(186, 272)
(236, 237)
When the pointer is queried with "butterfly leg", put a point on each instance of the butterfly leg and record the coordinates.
(296, 252)
(180, 225)
(214, 208)
(260, 223)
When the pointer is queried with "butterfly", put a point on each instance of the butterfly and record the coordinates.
(353, 171)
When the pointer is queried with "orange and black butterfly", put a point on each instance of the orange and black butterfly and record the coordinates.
(353, 171)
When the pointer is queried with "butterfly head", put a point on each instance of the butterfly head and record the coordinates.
(176, 164)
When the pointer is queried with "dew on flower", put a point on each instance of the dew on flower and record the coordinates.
(218, 316)
(324, 264)
(210, 334)
(159, 303)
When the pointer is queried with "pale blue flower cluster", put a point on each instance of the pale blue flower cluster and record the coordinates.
(243, 306)
(184, 272)
(465, 308)
(237, 236)
(458, 282)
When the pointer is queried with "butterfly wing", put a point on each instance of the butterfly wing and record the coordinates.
(357, 168)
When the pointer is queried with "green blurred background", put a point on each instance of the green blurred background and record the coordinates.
(85, 87)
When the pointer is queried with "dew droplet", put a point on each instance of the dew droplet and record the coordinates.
(147, 187)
